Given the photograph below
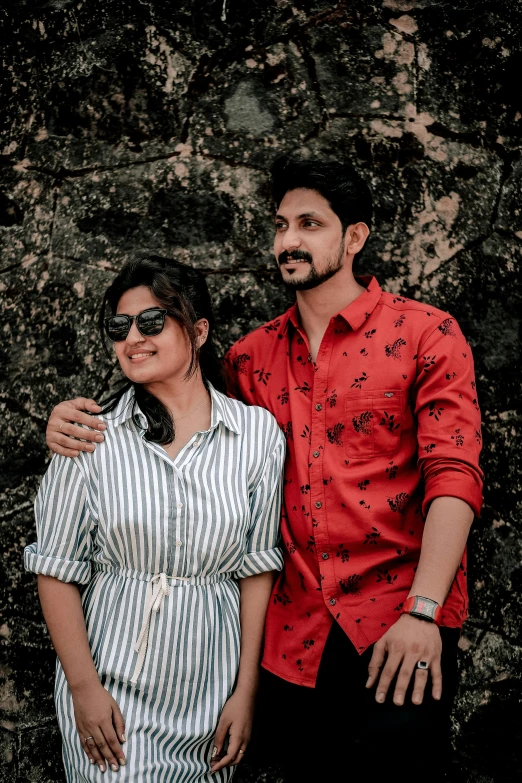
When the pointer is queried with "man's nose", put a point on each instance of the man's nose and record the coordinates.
(291, 239)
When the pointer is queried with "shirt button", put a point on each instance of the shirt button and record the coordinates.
(332, 601)
(318, 407)
(318, 504)
(179, 543)
(196, 443)
(179, 505)
(325, 555)
(316, 454)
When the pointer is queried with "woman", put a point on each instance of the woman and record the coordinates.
(170, 527)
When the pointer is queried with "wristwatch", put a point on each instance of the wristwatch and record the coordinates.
(423, 608)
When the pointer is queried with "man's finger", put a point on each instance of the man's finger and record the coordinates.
(97, 424)
(406, 672)
(75, 431)
(68, 414)
(376, 662)
(63, 451)
(389, 671)
(65, 442)
(86, 403)
(436, 679)
(80, 403)
(419, 685)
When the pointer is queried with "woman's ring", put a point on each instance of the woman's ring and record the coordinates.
(241, 751)
(88, 738)
(422, 665)
(60, 427)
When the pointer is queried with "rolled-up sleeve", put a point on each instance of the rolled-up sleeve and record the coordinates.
(64, 525)
(263, 552)
(449, 425)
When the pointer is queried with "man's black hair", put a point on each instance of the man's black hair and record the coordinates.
(347, 193)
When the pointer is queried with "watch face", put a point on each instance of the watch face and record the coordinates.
(424, 606)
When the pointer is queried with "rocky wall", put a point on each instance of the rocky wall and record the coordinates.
(151, 125)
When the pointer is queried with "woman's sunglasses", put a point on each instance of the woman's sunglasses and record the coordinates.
(149, 323)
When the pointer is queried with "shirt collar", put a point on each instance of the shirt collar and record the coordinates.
(356, 313)
(222, 411)
(125, 408)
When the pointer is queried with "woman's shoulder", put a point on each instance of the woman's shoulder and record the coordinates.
(252, 418)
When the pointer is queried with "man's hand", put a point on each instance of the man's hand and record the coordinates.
(408, 641)
(63, 431)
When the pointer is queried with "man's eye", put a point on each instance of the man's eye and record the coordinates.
(279, 225)
(311, 223)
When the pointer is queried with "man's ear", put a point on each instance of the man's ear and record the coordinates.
(355, 238)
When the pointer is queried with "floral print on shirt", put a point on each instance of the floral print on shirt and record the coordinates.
(382, 423)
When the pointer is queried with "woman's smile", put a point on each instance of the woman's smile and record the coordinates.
(138, 357)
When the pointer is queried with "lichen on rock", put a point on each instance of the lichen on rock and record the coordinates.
(145, 126)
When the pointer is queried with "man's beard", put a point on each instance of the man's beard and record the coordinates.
(313, 278)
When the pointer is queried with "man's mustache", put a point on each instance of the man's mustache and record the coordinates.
(295, 255)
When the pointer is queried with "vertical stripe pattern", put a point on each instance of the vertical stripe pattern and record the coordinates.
(114, 519)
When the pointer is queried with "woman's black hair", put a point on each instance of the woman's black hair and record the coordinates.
(340, 184)
(183, 292)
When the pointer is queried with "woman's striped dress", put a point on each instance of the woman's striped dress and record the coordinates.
(137, 528)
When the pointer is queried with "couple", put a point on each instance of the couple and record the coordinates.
(171, 523)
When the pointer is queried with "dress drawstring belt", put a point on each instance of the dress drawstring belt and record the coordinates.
(157, 589)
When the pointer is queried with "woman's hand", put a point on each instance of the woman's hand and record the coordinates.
(63, 433)
(235, 721)
(98, 717)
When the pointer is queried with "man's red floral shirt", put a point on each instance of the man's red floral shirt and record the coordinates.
(386, 420)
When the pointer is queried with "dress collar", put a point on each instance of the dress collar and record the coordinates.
(222, 411)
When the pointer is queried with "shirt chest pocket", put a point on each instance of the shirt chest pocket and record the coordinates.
(373, 423)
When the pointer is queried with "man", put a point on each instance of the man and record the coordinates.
(376, 396)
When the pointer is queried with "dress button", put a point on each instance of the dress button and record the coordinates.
(325, 555)
(318, 504)
(318, 407)
(179, 543)
(196, 443)
(179, 505)
(332, 601)
(316, 454)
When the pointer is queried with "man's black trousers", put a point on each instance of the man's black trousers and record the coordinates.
(337, 732)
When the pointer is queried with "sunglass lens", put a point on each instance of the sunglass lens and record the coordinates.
(151, 322)
(118, 327)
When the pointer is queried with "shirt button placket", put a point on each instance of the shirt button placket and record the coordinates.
(316, 469)
(177, 531)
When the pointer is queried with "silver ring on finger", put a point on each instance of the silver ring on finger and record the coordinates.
(422, 665)
(59, 430)
(87, 738)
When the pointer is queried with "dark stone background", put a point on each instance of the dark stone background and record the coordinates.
(151, 124)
